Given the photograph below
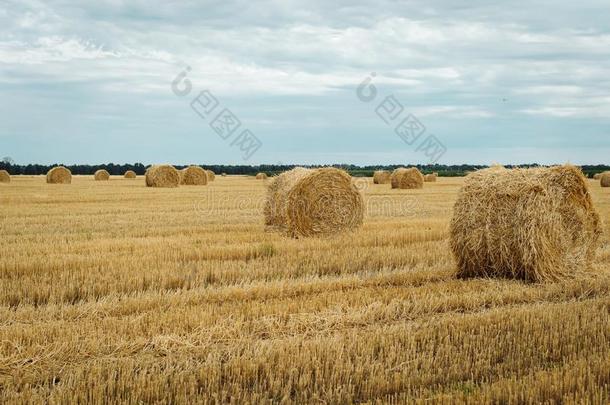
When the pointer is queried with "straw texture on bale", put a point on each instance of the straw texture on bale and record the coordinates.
(162, 176)
(193, 176)
(381, 177)
(130, 174)
(604, 179)
(430, 178)
(308, 202)
(101, 175)
(4, 177)
(530, 224)
(407, 178)
(211, 175)
(59, 175)
(261, 176)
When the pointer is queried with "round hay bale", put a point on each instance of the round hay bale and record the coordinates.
(530, 224)
(59, 175)
(130, 174)
(604, 179)
(381, 177)
(194, 176)
(407, 178)
(211, 175)
(430, 178)
(162, 176)
(597, 176)
(4, 177)
(308, 202)
(261, 176)
(223, 174)
(101, 175)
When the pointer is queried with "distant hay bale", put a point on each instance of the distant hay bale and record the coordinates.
(59, 175)
(308, 202)
(130, 174)
(407, 178)
(211, 175)
(224, 175)
(193, 176)
(430, 178)
(261, 176)
(4, 177)
(597, 176)
(530, 224)
(604, 179)
(381, 177)
(162, 176)
(101, 175)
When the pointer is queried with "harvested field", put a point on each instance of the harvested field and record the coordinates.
(180, 296)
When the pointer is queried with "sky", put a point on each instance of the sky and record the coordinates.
(305, 82)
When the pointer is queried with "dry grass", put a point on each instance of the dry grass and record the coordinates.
(193, 176)
(5, 177)
(308, 202)
(136, 295)
(59, 175)
(407, 178)
(163, 176)
(604, 179)
(531, 224)
(382, 177)
(101, 175)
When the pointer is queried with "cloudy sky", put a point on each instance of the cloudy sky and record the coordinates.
(510, 83)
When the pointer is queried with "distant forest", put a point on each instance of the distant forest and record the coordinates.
(359, 171)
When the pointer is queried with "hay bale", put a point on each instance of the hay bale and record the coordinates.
(59, 175)
(407, 178)
(130, 174)
(224, 175)
(530, 224)
(308, 202)
(597, 176)
(430, 178)
(261, 176)
(193, 176)
(101, 175)
(381, 177)
(4, 177)
(211, 175)
(604, 179)
(162, 176)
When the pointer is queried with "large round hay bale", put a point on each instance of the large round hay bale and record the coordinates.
(4, 177)
(604, 179)
(194, 176)
(530, 224)
(430, 178)
(597, 176)
(211, 175)
(162, 176)
(101, 175)
(261, 176)
(381, 177)
(59, 175)
(130, 174)
(308, 202)
(407, 178)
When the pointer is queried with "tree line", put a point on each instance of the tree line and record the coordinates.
(354, 170)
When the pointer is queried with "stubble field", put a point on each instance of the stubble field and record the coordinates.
(114, 292)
